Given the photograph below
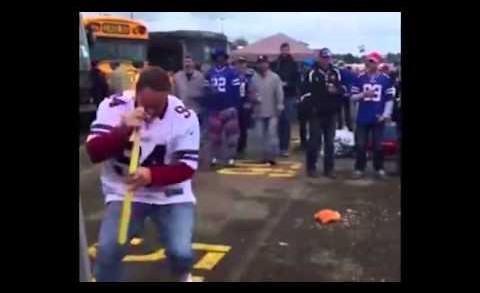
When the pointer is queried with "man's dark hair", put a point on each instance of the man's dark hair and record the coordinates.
(114, 64)
(284, 45)
(155, 78)
(94, 63)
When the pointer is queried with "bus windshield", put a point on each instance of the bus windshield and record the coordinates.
(117, 49)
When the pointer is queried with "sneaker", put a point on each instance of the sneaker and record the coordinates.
(357, 174)
(284, 154)
(186, 278)
(381, 174)
(213, 162)
(312, 173)
(331, 174)
(271, 162)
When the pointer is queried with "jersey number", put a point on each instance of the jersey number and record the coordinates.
(377, 88)
(182, 110)
(219, 83)
(156, 158)
(242, 89)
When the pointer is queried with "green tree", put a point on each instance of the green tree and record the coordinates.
(392, 57)
(349, 58)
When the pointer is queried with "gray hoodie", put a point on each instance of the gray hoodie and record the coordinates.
(269, 93)
(189, 90)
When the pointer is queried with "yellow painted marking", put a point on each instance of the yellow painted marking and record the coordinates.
(296, 166)
(239, 171)
(127, 201)
(284, 169)
(240, 164)
(211, 247)
(287, 175)
(156, 256)
(215, 253)
(197, 278)
(209, 260)
(252, 164)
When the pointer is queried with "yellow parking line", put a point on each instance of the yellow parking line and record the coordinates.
(240, 164)
(155, 256)
(296, 166)
(209, 260)
(239, 172)
(285, 175)
(198, 278)
(211, 247)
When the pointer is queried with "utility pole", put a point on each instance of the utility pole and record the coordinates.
(221, 24)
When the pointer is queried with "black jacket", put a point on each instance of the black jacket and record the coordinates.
(287, 69)
(315, 93)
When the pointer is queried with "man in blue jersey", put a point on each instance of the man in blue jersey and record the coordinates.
(222, 102)
(374, 91)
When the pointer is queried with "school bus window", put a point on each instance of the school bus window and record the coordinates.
(107, 49)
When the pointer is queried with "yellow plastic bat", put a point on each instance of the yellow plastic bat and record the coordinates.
(127, 201)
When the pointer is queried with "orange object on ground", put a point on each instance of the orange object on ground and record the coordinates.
(327, 216)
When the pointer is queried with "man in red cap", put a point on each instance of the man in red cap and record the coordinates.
(374, 91)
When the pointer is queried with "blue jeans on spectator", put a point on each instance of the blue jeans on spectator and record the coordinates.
(321, 126)
(266, 129)
(174, 223)
(284, 123)
(362, 137)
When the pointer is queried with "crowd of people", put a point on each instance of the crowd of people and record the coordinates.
(324, 94)
(170, 111)
(233, 97)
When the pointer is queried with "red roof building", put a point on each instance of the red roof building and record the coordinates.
(270, 46)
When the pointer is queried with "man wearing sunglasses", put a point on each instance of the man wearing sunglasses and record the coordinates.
(374, 91)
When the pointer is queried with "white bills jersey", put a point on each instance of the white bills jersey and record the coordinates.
(173, 138)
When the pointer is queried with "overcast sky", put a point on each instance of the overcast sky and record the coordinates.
(342, 32)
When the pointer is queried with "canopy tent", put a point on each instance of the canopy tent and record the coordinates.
(270, 47)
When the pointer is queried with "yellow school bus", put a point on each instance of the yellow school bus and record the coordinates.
(118, 39)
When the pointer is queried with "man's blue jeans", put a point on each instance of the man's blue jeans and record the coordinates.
(266, 129)
(284, 123)
(174, 223)
(362, 138)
